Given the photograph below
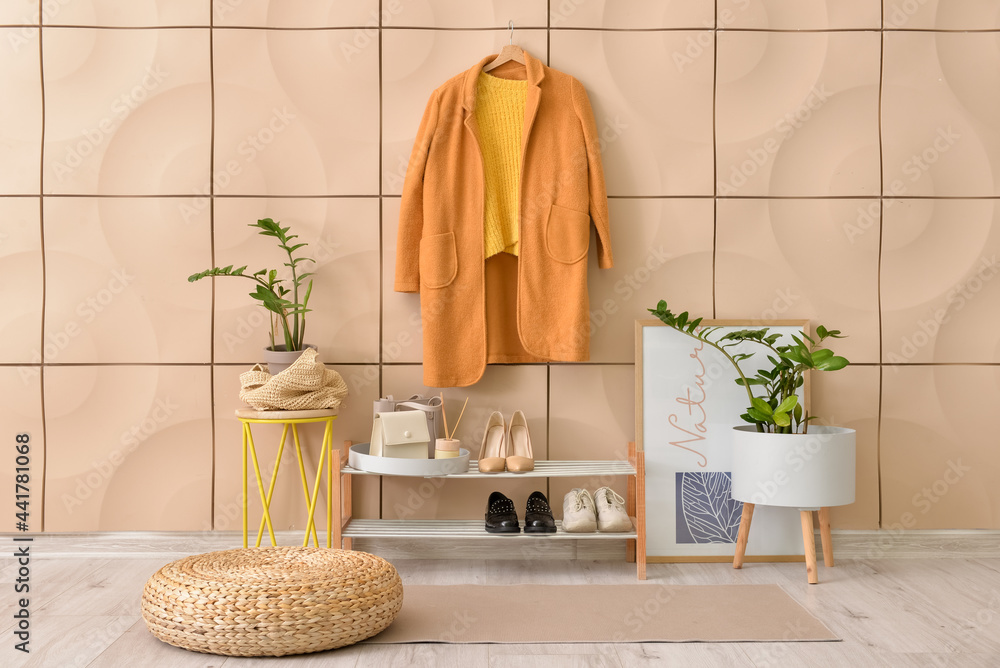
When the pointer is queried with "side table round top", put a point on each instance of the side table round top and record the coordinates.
(253, 414)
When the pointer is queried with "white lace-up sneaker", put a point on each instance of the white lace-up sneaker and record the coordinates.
(579, 513)
(611, 515)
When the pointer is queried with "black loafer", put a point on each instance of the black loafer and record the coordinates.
(500, 515)
(538, 516)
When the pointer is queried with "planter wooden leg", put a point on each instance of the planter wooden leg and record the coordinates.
(743, 536)
(824, 532)
(809, 542)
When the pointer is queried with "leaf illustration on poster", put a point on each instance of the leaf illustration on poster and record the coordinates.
(706, 513)
(687, 405)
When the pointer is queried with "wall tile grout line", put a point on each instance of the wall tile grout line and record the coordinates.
(396, 196)
(548, 367)
(381, 240)
(41, 239)
(68, 26)
(715, 159)
(211, 232)
(878, 278)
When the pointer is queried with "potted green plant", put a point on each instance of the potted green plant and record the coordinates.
(778, 459)
(760, 451)
(288, 313)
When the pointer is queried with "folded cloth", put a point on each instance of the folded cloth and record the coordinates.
(305, 385)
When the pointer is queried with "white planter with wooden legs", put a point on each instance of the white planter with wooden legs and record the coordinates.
(811, 472)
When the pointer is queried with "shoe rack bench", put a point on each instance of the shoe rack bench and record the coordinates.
(634, 469)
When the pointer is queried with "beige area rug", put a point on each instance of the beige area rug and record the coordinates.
(600, 613)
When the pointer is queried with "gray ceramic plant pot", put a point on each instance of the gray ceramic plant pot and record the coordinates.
(280, 359)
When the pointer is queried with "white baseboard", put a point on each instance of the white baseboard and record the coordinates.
(174, 544)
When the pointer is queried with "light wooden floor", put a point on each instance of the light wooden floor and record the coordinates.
(889, 612)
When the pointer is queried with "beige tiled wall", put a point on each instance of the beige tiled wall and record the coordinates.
(836, 160)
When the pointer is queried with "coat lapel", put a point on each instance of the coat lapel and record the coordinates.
(535, 71)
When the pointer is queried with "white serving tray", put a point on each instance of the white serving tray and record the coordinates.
(358, 458)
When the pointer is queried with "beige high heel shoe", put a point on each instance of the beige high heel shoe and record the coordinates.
(493, 454)
(520, 458)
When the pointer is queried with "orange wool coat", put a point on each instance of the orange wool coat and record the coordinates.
(440, 242)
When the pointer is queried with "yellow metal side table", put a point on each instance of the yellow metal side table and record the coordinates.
(289, 419)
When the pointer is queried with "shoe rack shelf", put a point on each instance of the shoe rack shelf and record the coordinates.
(635, 499)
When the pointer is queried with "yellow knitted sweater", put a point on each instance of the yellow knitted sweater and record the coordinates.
(500, 116)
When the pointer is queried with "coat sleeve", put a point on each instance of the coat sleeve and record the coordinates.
(595, 173)
(411, 209)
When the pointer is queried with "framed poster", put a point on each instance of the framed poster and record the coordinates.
(687, 402)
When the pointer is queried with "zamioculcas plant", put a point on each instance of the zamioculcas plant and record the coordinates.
(289, 314)
(777, 408)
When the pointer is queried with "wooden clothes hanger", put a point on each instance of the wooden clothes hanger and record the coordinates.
(510, 52)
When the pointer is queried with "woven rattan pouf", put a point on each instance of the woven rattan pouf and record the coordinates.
(271, 601)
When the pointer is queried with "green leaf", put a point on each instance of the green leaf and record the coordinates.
(797, 412)
(761, 406)
(834, 363)
(788, 404)
(782, 419)
(821, 332)
(682, 319)
(818, 356)
(758, 416)
(746, 418)
(793, 354)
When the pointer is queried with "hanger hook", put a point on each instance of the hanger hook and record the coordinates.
(510, 24)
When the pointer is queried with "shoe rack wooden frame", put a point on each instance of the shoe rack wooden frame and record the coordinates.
(634, 469)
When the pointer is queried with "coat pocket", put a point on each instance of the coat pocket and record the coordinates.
(567, 234)
(438, 260)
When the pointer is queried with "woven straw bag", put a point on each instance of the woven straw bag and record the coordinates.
(305, 385)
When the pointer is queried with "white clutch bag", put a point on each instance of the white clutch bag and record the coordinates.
(402, 435)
